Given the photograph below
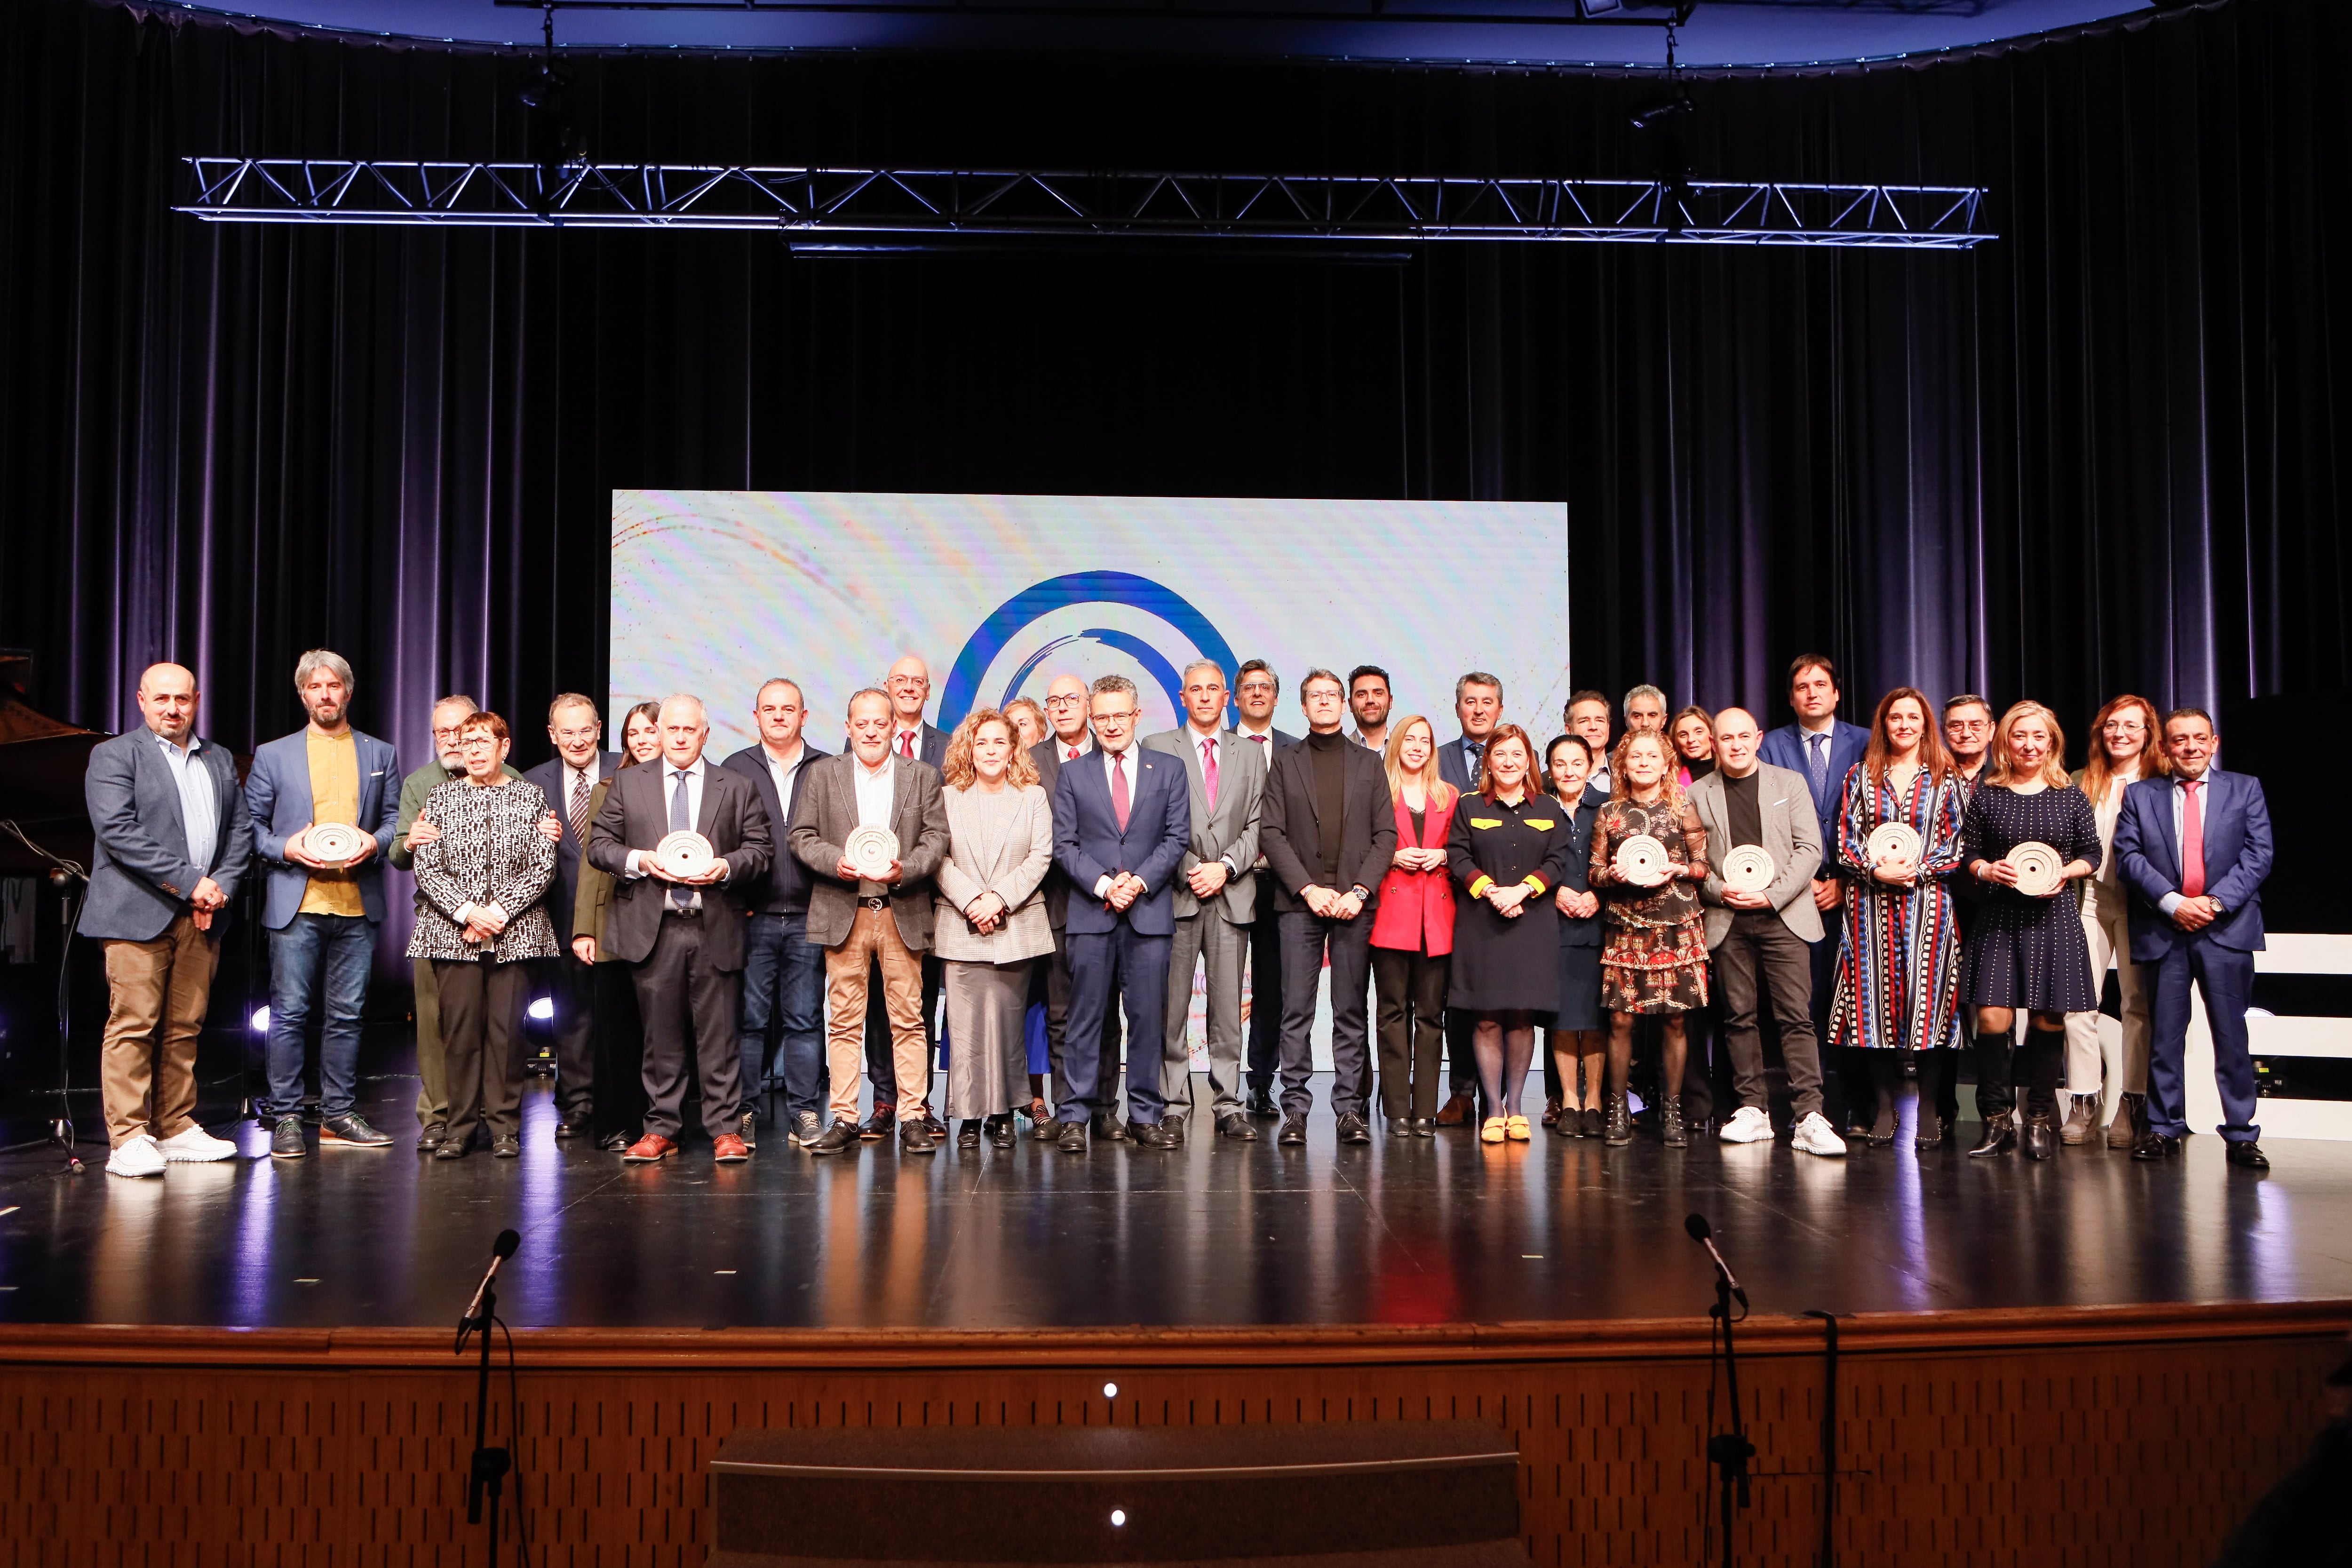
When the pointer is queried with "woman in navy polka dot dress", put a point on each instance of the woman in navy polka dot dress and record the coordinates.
(2023, 951)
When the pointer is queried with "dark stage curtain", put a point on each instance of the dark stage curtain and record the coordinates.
(2096, 454)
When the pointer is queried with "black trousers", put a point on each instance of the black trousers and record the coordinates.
(1847, 1093)
(1759, 959)
(571, 989)
(1265, 992)
(1059, 985)
(618, 1043)
(881, 1067)
(1408, 992)
(690, 1008)
(481, 1045)
(1307, 938)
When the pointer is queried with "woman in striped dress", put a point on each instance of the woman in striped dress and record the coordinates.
(1898, 976)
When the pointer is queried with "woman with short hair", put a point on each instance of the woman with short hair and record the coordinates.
(2125, 748)
(1412, 932)
(1028, 721)
(991, 925)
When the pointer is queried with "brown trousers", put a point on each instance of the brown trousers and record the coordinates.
(875, 936)
(157, 991)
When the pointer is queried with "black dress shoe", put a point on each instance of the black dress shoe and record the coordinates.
(1106, 1124)
(1930, 1133)
(450, 1149)
(835, 1138)
(967, 1134)
(1261, 1105)
(1294, 1132)
(507, 1148)
(285, 1139)
(934, 1126)
(1046, 1132)
(1237, 1126)
(1399, 1126)
(1424, 1127)
(2248, 1156)
(2000, 1136)
(914, 1138)
(430, 1138)
(2040, 1139)
(1001, 1134)
(1154, 1135)
(806, 1128)
(1353, 1128)
(746, 1128)
(1072, 1138)
(564, 1129)
(877, 1127)
(2155, 1146)
(614, 1142)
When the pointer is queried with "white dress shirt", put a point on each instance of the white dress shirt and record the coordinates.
(1102, 884)
(1067, 752)
(199, 808)
(876, 788)
(695, 771)
(782, 775)
(2175, 899)
(571, 780)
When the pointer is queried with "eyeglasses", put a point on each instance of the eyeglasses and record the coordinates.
(575, 737)
(1122, 718)
(1070, 700)
(1972, 726)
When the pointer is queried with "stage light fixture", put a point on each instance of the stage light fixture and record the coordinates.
(542, 1008)
(1588, 9)
(260, 1020)
(1110, 1391)
(1666, 109)
(1118, 1518)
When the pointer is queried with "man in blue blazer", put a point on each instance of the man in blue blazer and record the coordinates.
(1122, 817)
(1256, 689)
(2194, 849)
(783, 972)
(171, 845)
(322, 919)
(1821, 748)
(567, 779)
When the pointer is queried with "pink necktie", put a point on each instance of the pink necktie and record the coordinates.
(1119, 789)
(2192, 844)
(1209, 771)
(907, 744)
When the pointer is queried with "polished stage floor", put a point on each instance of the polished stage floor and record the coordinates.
(1414, 1231)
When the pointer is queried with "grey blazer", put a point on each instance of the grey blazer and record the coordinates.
(141, 877)
(1000, 847)
(1792, 837)
(827, 815)
(1231, 831)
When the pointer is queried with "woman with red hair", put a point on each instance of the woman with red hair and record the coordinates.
(2123, 749)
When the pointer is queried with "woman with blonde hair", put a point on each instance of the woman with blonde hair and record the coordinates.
(2126, 746)
(1412, 933)
(1654, 958)
(2025, 949)
(991, 919)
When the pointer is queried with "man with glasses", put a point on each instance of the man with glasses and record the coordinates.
(1968, 734)
(1256, 689)
(568, 779)
(1122, 817)
(913, 738)
(1066, 717)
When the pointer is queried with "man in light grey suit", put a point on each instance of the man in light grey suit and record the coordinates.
(1217, 897)
(1764, 934)
(171, 844)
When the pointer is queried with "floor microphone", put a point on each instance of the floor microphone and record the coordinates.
(500, 1250)
(1704, 1234)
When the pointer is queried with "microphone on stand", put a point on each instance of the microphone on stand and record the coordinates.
(500, 1250)
(1704, 1234)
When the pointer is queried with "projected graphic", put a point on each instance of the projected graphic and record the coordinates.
(715, 590)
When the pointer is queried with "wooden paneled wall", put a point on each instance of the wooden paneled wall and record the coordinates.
(2125, 1436)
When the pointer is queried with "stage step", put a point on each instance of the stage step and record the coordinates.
(1353, 1495)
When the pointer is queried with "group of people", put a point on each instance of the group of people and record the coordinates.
(1060, 882)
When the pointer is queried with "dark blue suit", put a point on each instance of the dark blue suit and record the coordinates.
(1266, 966)
(1110, 949)
(571, 985)
(1846, 1078)
(2218, 959)
(1453, 764)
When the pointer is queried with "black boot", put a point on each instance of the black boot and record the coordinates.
(1671, 1130)
(2040, 1139)
(1619, 1126)
(2001, 1136)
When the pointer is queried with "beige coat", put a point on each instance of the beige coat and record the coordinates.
(1001, 847)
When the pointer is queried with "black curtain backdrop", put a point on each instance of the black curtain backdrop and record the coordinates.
(2099, 454)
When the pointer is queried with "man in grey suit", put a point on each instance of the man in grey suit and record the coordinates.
(1764, 935)
(862, 923)
(1217, 897)
(172, 845)
(1256, 689)
(567, 779)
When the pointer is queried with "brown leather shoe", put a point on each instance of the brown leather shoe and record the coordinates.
(1455, 1111)
(653, 1146)
(729, 1150)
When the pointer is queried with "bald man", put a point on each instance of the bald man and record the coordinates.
(173, 844)
(914, 738)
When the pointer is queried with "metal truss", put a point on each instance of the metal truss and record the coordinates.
(943, 203)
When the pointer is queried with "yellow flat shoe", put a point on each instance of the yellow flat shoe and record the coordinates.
(1518, 1129)
(1493, 1131)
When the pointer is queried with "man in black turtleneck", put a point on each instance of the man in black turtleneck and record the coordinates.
(1328, 831)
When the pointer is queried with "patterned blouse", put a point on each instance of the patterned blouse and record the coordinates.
(1674, 903)
(490, 851)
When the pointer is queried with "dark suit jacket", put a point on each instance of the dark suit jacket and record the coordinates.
(141, 877)
(826, 817)
(549, 777)
(1785, 748)
(1453, 767)
(788, 879)
(1048, 758)
(1089, 846)
(932, 748)
(2238, 857)
(635, 815)
(1290, 834)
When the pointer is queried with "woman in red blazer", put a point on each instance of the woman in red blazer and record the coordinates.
(1412, 933)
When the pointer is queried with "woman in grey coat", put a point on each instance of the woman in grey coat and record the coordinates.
(991, 924)
(480, 923)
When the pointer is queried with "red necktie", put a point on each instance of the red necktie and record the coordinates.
(1119, 789)
(906, 745)
(1209, 770)
(1073, 756)
(2192, 844)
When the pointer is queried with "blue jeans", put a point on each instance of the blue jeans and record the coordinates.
(784, 980)
(316, 952)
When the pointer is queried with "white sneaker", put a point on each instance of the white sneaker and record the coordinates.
(1815, 1136)
(139, 1157)
(194, 1143)
(1747, 1125)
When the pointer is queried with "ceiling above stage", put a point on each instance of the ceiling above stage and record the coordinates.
(1526, 32)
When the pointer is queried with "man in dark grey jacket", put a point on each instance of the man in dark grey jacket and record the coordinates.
(173, 844)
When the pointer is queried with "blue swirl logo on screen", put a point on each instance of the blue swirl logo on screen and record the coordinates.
(1009, 620)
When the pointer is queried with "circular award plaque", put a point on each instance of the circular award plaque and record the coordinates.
(872, 851)
(1748, 869)
(2037, 866)
(1642, 861)
(1894, 841)
(333, 843)
(685, 854)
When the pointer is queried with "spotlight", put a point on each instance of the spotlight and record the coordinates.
(260, 1020)
(1590, 8)
(1110, 1391)
(1643, 118)
(1118, 1518)
(542, 1008)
